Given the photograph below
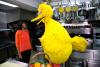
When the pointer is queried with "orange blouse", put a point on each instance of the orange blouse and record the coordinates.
(22, 40)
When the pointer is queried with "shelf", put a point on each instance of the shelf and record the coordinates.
(5, 29)
(83, 35)
(79, 24)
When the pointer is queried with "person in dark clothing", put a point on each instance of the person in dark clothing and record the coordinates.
(36, 31)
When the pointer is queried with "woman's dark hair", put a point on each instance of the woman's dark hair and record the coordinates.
(20, 25)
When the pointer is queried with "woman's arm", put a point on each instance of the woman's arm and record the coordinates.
(17, 43)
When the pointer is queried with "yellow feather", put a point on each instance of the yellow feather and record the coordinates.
(56, 41)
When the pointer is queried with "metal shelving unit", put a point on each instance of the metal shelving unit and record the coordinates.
(84, 30)
(96, 36)
(5, 29)
(7, 46)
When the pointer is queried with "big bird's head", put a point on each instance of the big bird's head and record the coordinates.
(44, 11)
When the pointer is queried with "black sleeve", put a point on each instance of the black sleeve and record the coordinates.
(40, 30)
(36, 31)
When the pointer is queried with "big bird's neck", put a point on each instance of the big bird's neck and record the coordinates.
(46, 20)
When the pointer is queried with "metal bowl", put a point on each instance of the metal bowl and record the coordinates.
(39, 48)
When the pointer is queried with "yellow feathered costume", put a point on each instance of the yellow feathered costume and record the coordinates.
(56, 41)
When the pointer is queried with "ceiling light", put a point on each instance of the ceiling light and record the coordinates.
(8, 4)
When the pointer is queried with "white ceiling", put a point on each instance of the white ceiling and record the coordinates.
(3, 7)
(30, 5)
(33, 4)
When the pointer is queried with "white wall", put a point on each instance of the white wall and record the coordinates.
(3, 20)
(19, 14)
(13, 15)
(29, 2)
(27, 15)
(25, 4)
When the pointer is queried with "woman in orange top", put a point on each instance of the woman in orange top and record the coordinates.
(23, 43)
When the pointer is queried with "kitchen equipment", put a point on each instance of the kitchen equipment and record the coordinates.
(90, 58)
(68, 9)
(96, 2)
(75, 7)
(82, 14)
(7, 45)
(61, 9)
(39, 48)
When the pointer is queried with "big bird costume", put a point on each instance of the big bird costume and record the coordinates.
(56, 41)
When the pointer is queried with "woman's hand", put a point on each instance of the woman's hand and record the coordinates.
(20, 56)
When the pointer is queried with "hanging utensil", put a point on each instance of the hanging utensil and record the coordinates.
(61, 9)
(68, 11)
(68, 8)
(75, 10)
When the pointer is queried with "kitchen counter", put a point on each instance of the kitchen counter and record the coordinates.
(90, 58)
